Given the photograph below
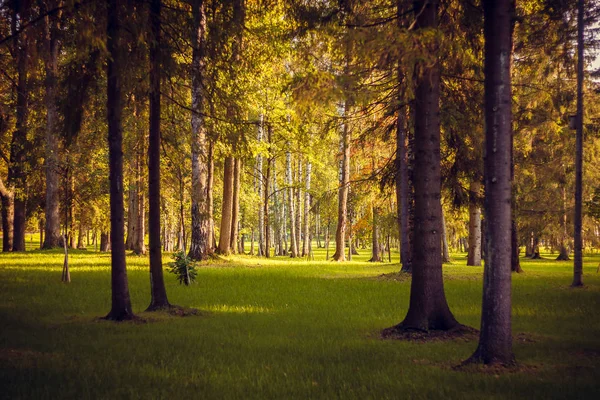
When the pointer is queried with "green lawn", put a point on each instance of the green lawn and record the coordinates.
(283, 329)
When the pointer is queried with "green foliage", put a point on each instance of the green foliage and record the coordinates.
(183, 267)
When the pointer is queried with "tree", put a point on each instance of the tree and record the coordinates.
(201, 217)
(157, 285)
(578, 254)
(495, 340)
(121, 303)
(428, 308)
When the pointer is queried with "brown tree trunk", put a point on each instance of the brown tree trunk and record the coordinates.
(428, 308)
(104, 241)
(158, 293)
(201, 244)
(291, 208)
(340, 232)
(445, 247)
(306, 241)
(515, 264)
(495, 340)
(227, 207)
(267, 181)
(235, 215)
(209, 197)
(376, 257)
(51, 211)
(19, 146)
(7, 217)
(121, 303)
(577, 219)
(474, 256)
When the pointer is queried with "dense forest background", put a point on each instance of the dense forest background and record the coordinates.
(284, 124)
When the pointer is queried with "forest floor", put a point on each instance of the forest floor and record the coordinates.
(283, 328)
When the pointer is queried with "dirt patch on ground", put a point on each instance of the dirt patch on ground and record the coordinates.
(462, 333)
(393, 276)
(496, 369)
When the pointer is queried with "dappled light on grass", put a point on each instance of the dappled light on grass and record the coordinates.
(247, 309)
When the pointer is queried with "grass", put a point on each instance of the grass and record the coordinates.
(283, 328)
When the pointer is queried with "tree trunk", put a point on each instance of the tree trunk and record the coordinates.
(474, 256)
(104, 241)
(267, 181)
(428, 308)
(19, 146)
(51, 211)
(158, 293)
(495, 340)
(298, 193)
(132, 212)
(260, 187)
(515, 264)
(201, 244)
(445, 248)
(8, 215)
(288, 175)
(305, 243)
(340, 232)
(235, 215)
(227, 207)
(121, 303)
(327, 242)
(376, 257)
(577, 219)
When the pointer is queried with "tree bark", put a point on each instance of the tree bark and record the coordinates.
(340, 232)
(104, 241)
(227, 207)
(267, 182)
(121, 303)
(288, 175)
(445, 248)
(8, 215)
(260, 187)
(577, 220)
(474, 256)
(515, 264)
(158, 298)
(306, 241)
(376, 256)
(235, 214)
(495, 340)
(51, 211)
(201, 244)
(428, 308)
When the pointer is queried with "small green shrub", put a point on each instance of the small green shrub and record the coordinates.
(184, 267)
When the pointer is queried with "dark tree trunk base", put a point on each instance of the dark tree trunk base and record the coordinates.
(563, 256)
(400, 332)
(480, 359)
(159, 307)
(121, 316)
(536, 256)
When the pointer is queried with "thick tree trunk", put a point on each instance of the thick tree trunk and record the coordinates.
(340, 232)
(577, 219)
(235, 214)
(51, 211)
(227, 207)
(104, 241)
(495, 341)
(376, 256)
(19, 146)
(291, 208)
(306, 241)
(201, 244)
(121, 303)
(158, 293)
(474, 256)
(428, 308)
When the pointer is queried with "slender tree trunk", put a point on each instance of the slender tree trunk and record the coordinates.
(121, 303)
(305, 243)
(158, 298)
(428, 308)
(327, 242)
(235, 216)
(445, 248)
(260, 187)
(474, 256)
(52, 212)
(209, 197)
(201, 244)
(139, 247)
(227, 207)
(7, 217)
(577, 220)
(495, 341)
(340, 232)
(515, 264)
(132, 212)
(267, 180)
(298, 231)
(376, 257)
(564, 251)
(288, 174)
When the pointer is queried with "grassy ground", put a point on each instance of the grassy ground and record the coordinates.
(283, 329)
